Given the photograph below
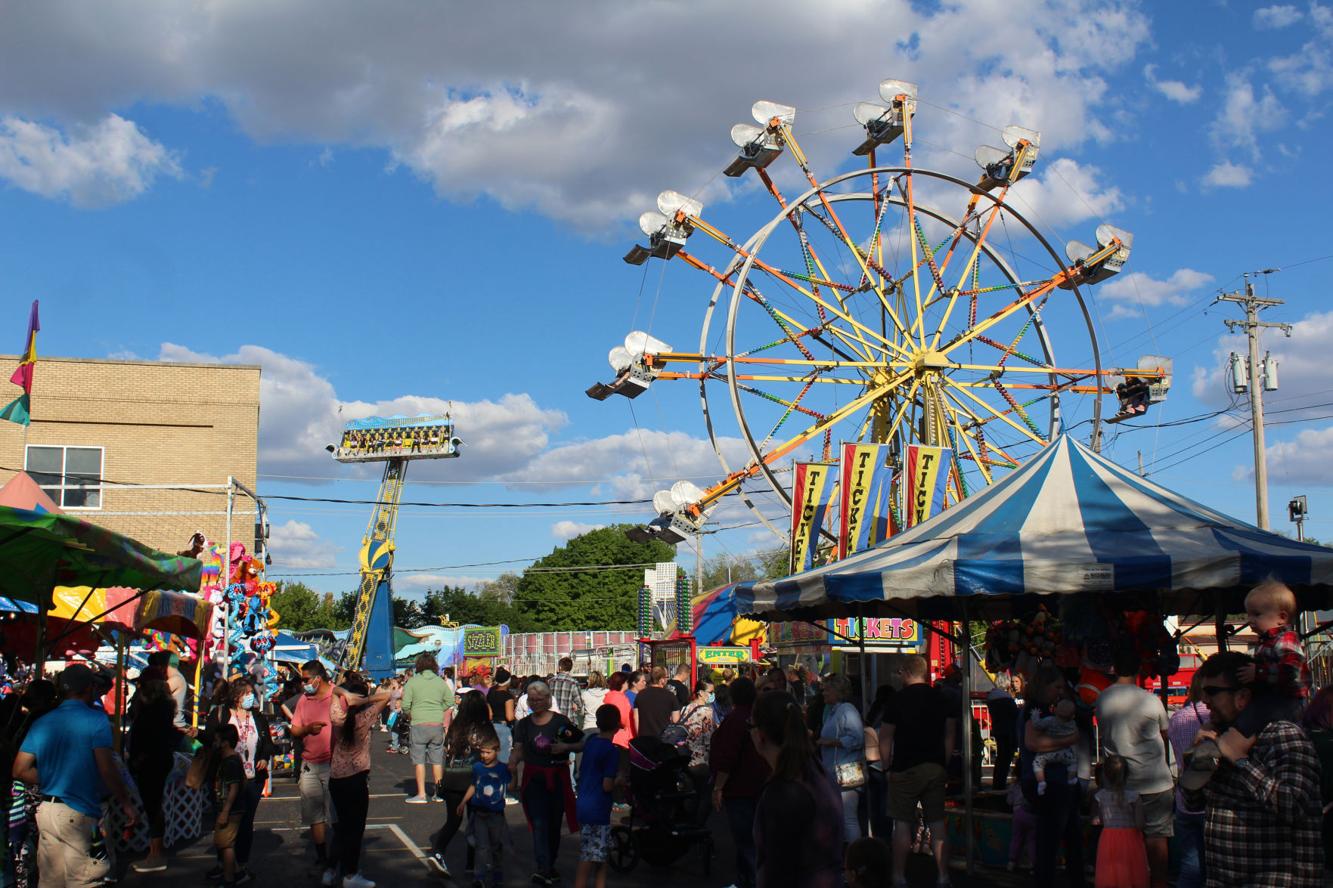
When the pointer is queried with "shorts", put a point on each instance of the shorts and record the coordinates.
(1159, 814)
(427, 744)
(922, 783)
(594, 842)
(316, 804)
(225, 836)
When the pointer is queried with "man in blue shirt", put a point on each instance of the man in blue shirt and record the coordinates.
(67, 754)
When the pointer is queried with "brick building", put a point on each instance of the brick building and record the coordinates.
(98, 424)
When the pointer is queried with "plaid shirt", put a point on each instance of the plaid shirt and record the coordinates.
(1264, 815)
(568, 697)
(1279, 664)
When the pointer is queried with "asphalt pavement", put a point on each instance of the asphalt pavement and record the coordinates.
(398, 841)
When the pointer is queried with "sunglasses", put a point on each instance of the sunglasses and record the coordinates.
(1210, 690)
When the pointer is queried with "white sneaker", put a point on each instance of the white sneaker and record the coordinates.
(356, 880)
(330, 876)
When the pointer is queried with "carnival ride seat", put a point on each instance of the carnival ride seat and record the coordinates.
(663, 824)
(633, 373)
(1001, 166)
(759, 145)
(667, 227)
(1096, 264)
(882, 124)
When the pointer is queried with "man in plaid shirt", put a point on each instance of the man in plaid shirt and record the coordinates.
(1262, 826)
(567, 694)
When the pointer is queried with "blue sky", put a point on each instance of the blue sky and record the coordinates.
(426, 204)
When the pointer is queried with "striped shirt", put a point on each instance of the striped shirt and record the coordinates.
(1184, 724)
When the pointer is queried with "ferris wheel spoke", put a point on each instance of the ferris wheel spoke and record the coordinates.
(1002, 415)
(863, 260)
(972, 262)
(961, 432)
(978, 329)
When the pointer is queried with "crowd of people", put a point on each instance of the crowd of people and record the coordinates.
(813, 789)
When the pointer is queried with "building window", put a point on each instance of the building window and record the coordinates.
(72, 476)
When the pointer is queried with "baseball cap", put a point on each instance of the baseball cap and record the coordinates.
(75, 679)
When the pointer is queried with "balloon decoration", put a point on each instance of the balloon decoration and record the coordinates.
(243, 615)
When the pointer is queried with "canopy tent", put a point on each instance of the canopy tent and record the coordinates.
(42, 550)
(21, 492)
(1069, 520)
(287, 648)
(715, 619)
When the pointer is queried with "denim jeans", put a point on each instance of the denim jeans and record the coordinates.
(876, 799)
(740, 818)
(1189, 838)
(545, 808)
(851, 823)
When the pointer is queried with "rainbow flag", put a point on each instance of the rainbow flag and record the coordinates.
(20, 409)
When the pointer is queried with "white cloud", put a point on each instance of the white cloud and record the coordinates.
(1175, 90)
(1248, 110)
(1305, 459)
(1135, 292)
(1270, 18)
(1064, 192)
(1309, 70)
(1226, 174)
(1302, 369)
(296, 544)
(567, 530)
(581, 116)
(635, 463)
(300, 413)
(420, 582)
(94, 165)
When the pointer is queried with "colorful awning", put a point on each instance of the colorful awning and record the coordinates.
(1069, 520)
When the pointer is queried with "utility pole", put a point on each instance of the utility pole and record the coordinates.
(1253, 305)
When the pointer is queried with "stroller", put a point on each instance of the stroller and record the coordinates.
(663, 823)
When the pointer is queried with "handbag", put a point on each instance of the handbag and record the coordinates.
(197, 774)
(851, 775)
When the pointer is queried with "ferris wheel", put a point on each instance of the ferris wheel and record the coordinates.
(890, 304)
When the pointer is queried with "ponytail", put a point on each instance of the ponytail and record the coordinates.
(779, 719)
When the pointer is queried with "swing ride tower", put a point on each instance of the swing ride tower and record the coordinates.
(394, 441)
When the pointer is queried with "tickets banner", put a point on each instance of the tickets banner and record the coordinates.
(864, 504)
(927, 472)
(809, 503)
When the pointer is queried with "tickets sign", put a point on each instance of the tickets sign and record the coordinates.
(810, 488)
(863, 506)
(927, 472)
(878, 632)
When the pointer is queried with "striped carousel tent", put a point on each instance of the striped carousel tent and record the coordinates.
(1067, 521)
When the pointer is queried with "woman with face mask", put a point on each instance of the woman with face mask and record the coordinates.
(255, 747)
(698, 721)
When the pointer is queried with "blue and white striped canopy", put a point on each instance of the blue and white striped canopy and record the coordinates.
(1069, 520)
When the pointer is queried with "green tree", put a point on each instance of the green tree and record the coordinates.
(300, 608)
(554, 593)
(502, 589)
(729, 569)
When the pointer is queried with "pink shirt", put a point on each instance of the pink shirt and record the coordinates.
(353, 757)
(315, 748)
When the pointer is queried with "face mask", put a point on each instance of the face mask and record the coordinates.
(248, 701)
(712, 697)
(308, 690)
